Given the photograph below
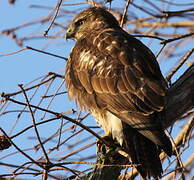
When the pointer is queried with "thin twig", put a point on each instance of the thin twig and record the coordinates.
(44, 52)
(188, 54)
(51, 100)
(149, 36)
(54, 17)
(53, 75)
(34, 123)
(97, 164)
(15, 52)
(125, 13)
(56, 94)
(31, 126)
(177, 38)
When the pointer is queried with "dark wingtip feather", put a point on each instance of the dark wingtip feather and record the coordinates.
(144, 152)
(167, 146)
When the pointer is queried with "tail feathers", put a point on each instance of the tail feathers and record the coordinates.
(167, 145)
(148, 156)
(144, 153)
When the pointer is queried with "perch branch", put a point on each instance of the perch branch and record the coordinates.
(180, 97)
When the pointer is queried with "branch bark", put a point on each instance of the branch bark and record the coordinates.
(107, 156)
(180, 99)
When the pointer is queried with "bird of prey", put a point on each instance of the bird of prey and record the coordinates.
(118, 80)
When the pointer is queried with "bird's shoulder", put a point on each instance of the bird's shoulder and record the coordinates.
(112, 49)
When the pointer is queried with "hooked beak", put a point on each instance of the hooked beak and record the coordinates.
(70, 33)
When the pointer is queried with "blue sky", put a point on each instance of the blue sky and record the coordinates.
(28, 65)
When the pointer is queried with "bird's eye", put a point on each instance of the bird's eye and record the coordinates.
(79, 22)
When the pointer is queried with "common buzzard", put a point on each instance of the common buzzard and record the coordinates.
(117, 78)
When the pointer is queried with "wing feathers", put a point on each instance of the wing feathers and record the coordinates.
(104, 85)
(96, 84)
(156, 103)
(128, 80)
(131, 79)
(121, 85)
(85, 81)
(112, 85)
(156, 87)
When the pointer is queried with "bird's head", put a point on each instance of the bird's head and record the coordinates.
(90, 20)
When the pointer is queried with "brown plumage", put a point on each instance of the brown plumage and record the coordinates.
(117, 78)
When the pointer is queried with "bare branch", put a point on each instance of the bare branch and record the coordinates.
(180, 64)
(180, 97)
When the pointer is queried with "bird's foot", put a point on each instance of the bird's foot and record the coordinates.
(107, 137)
(112, 144)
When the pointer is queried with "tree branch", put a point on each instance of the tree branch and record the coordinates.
(180, 97)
